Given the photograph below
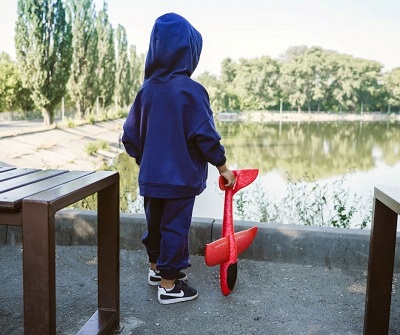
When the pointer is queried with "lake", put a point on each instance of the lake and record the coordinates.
(300, 162)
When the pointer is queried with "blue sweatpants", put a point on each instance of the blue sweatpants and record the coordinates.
(167, 236)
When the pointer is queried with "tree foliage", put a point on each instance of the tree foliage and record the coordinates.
(96, 60)
(356, 83)
(306, 78)
(136, 63)
(392, 86)
(303, 78)
(13, 96)
(123, 79)
(83, 83)
(106, 65)
(43, 48)
(256, 83)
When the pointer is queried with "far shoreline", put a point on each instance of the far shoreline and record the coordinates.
(268, 116)
(9, 127)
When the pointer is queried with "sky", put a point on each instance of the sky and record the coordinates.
(368, 29)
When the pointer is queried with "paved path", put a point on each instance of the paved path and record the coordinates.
(29, 144)
(268, 299)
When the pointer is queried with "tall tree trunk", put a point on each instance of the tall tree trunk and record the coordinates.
(78, 110)
(48, 117)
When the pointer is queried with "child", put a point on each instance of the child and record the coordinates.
(171, 134)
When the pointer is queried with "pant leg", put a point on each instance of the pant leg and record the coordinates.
(175, 227)
(167, 236)
(154, 209)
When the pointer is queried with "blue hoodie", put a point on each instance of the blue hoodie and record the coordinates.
(170, 129)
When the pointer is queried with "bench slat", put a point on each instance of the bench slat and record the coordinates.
(28, 179)
(10, 174)
(390, 196)
(11, 201)
(68, 193)
(6, 168)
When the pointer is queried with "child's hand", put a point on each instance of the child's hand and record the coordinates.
(229, 178)
(227, 175)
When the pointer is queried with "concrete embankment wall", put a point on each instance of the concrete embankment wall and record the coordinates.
(316, 246)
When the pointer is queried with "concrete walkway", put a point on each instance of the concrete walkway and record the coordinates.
(269, 298)
(32, 145)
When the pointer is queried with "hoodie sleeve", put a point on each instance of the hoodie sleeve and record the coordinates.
(208, 142)
(131, 135)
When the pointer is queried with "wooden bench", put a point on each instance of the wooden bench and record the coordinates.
(381, 260)
(30, 198)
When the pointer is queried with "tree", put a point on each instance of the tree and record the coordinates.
(368, 90)
(136, 63)
(392, 86)
(83, 83)
(296, 81)
(123, 75)
(229, 71)
(321, 66)
(13, 96)
(309, 76)
(256, 83)
(106, 65)
(356, 81)
(215, 91)
(43, 48)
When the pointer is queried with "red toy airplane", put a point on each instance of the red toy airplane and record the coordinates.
(225, 250)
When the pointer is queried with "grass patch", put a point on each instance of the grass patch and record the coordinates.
(93, 147)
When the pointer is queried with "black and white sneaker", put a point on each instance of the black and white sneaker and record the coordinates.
(154, 277)
(179, 293)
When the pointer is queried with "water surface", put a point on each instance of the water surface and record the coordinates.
(366, 153)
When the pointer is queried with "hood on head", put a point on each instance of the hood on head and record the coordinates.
(175, 47)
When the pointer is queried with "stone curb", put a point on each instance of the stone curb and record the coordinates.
(315, 246)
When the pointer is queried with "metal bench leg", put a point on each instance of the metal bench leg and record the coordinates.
(107, 317)
(39, 269)
(108, 249)
(380, 270)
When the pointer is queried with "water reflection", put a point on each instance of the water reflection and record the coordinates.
(326, 151)
(319, 149)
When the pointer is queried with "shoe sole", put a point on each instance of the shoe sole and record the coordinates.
(174, 301)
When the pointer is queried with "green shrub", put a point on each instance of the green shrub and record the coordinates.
(307, 202)
(70, 123)
(91, 118)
